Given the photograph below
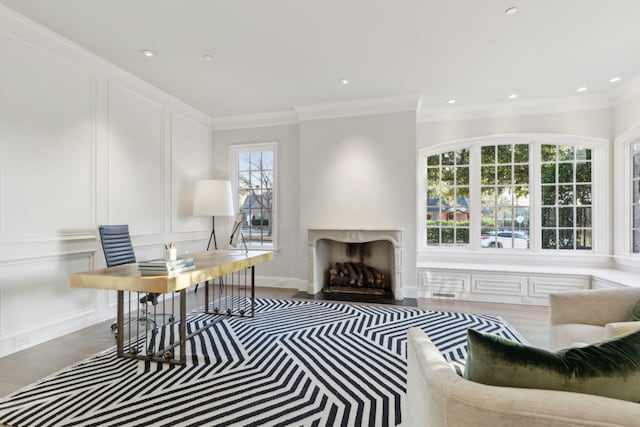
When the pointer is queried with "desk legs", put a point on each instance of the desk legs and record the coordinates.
(120, 324)
(167, 353)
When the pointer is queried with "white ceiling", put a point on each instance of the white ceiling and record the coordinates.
(272, 55)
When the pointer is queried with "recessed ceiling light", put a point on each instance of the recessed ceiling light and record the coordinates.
(345, 81)
(511, 11)
(451, 101)
(208, 57)
(582, 89)
(614, 79)
(513, 96)
(148, 53)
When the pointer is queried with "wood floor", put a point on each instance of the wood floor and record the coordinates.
(27, 366)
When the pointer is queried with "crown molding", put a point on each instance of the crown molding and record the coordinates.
(363, 107)
(276, 118)
(518, 108)
(625, 91)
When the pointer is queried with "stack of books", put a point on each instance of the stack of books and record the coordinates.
(160, 267)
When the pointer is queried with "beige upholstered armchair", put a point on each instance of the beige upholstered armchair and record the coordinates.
(588, 316)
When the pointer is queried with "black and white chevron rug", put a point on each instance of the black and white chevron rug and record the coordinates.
(295, 363)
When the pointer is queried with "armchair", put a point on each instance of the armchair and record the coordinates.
(588, 316)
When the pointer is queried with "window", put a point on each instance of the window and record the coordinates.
(566, 197)
(635, 201)
(253, 167)
(448, 197)
(518, 193)
(504, 190)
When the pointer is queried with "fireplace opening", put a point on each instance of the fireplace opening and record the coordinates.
(333, 250)
(359, 268)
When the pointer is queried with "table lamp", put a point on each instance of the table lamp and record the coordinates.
(212, 197)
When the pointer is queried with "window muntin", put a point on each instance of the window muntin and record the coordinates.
(504, 193)
(447, 210)
(566, 197)
(255, 186)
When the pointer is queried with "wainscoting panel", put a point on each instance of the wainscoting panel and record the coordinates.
(436, 284)
(542, 286)
(36, 292)
(190, 161)
(46, 144)
(499, 285)
(136, 161)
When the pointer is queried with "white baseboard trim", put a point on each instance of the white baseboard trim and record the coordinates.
(281, 282)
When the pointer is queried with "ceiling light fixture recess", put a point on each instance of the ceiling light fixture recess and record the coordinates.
(345, 81)
(451, 101)
(582, 89)
(148, 53)
(615, 79)
(513, 96)
(511, 11)
(208, 57)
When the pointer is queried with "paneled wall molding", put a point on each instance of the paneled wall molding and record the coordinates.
(5, 261)
(44, 239)
(83, 143)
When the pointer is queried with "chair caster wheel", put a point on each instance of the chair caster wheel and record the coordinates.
(114, 327)
(216, 310)
(229, 311)
(172, 319)
(168, 355)
(241, 312)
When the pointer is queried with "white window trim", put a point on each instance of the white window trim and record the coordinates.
(233, 177)
(601, 178)
(622, 195)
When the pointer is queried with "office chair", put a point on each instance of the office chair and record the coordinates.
(118, 250)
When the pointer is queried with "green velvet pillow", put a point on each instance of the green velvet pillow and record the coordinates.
(609, 368)
(635, 314)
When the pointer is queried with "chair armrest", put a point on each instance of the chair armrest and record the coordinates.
(618, 328)
(592, 306)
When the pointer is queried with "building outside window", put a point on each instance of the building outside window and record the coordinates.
(253, 168)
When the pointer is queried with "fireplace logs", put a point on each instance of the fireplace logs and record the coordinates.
(349, 277)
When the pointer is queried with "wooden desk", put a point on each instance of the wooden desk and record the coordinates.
(209, 266)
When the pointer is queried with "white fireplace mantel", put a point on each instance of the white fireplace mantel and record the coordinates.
(354, 235)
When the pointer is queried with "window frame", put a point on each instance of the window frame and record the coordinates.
(601, 198)
(623, 230)
(234, 151)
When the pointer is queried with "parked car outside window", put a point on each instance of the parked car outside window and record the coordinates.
(505, 239)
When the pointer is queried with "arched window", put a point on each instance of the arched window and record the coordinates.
(515, 192)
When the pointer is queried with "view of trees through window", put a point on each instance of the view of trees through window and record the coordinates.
(635, 184)
(255, 177)
(448, 197)
(565, 195)
(504, 192)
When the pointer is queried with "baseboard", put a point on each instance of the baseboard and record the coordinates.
(281, 282)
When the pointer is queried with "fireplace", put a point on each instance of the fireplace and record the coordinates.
(374, 255)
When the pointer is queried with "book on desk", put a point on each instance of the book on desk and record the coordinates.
(157, 267)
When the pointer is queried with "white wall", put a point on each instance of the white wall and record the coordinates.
(83, 143)
(359, 172)
(593, 123)
(626, 115)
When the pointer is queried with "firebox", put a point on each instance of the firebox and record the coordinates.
(356, 261)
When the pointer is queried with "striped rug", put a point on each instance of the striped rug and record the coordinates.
(296, 363)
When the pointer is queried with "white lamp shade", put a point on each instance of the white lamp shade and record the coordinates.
(212, 197)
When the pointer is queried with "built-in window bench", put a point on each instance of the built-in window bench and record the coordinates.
(516, 284)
